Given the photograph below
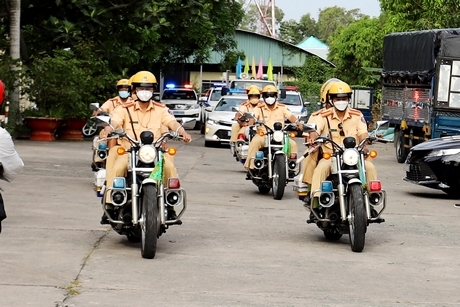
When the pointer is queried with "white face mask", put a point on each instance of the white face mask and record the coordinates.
(341, 105)
(144, 95)
(270, 100)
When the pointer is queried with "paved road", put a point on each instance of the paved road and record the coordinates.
(235, 247)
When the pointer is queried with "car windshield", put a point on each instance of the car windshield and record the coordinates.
(244, 84)
(226, 104)
(179, 94)
(216, 94)
(291, 100)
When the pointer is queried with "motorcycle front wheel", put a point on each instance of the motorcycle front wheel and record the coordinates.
(89, 129)
(358, 217)
(279, 177)
(150, 221)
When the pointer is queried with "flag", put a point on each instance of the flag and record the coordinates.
(238, 68)
(270, 70)
(246, 66)
(157, 172)
(260, 70)
(253, 68)
(287, 146)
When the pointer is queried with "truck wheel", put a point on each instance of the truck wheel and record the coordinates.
(401, 151)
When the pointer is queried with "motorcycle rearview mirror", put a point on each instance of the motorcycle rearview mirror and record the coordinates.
(249, 114)
(94, 106)
(184, 121)
(235, 109)
(309, 128)
(102, 120)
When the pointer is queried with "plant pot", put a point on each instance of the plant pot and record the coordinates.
(71, 129)
(42, 128)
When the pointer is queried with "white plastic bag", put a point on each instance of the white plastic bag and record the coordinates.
(9, 158)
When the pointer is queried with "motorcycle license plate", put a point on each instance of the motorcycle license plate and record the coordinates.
(178, 112)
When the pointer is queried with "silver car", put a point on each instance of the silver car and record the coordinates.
(218, 127)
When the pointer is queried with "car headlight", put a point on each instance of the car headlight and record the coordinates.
(278, 136)
(444, 152)
(194, 107)
(212, 122)
(147, 154)
(350, 156)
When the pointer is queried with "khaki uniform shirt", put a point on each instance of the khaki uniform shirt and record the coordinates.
(271, 116)
(114, 102)
(247, 107)
(154, 119)
(353, 124)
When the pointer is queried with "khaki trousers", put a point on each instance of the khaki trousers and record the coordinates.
(236, 129)
(308, 166)
(323, 170)
(117, 166)
(257, 143)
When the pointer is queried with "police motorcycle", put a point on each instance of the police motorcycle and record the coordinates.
(100, 153)
(243, 139)
(346, 204)
(141, 199)
(274, 165)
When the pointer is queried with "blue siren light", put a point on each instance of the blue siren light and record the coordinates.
(102, 146)
(170, 85)
(259, 155)
(119, 183)
(326, 186)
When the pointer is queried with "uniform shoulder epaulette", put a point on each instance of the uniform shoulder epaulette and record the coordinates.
(355, 112)
(128, 104)
(159, 104)
(325, 113)
(317, 112)
(245, 103)
(261, 104)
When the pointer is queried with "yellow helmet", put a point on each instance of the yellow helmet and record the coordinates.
(340, 89)
(144, 79)
(253, 90)
(123, 83)
(325, 89)
(270, 89)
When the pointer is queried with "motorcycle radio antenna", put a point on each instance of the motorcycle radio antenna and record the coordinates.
(266, 15)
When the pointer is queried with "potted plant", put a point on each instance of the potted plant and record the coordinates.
(62, 87)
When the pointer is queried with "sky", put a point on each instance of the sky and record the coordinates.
(294, 9)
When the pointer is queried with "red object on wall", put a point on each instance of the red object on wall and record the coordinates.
(2, 92)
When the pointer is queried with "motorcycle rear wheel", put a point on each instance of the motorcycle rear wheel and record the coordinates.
(358, 221)
(279, 177)
(151, 221)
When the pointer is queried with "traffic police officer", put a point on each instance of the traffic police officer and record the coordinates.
(270, 113)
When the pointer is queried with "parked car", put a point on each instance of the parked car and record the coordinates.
(435, 164)
(218, 127)
(183, 102)
(212, 97)
(295, 103)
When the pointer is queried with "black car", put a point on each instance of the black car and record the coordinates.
(436, 164)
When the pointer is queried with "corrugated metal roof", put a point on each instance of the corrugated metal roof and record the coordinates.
(265, 47)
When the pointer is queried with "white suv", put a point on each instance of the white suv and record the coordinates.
(183, 102)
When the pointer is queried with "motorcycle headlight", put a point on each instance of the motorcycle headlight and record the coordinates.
(444, 152)
(278, 136)
(147, 154)
(350, 157)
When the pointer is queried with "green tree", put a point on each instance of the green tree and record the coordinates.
(407, 15)
(310, 77)
(357, 46)
(332, 18)
(295, 32)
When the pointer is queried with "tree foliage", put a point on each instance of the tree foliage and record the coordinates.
(357, 46)
(131, 33)
(332, 18)
(411, 15)
(295, 32)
